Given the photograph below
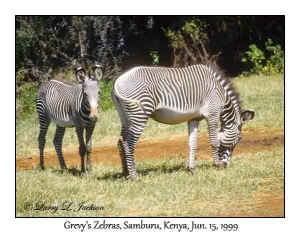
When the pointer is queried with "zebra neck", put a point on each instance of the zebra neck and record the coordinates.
(230, 115)
(84, 109)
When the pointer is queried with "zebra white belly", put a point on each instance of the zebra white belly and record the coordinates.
(67, 123)
(172, 117)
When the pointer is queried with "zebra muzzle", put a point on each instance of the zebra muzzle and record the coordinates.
(224, 157)
(225, 160)
(94, 118)
(94, 114)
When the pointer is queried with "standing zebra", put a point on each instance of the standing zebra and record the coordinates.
(173, 96)
(68, 106)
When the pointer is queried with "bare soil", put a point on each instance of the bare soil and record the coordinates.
(158, 149)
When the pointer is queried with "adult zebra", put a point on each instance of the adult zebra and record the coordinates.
(173, 96)
(70, 106)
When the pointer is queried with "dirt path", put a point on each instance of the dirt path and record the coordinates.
(158, 149)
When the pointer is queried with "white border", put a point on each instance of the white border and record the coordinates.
(150, 7)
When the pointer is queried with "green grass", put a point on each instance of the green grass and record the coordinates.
(165, 188)
(264, 94)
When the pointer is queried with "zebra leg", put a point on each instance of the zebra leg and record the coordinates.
(57, 141)
(88, 135)
(135, 129)
(44, 124)
(82, 148)
(124, 132)
(122, 151)
(213, 137)
(193, 133)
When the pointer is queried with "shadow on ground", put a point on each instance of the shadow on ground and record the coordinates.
(157, 169)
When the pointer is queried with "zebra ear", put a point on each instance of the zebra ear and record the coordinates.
(247, 115)
(80, 74)
(98, 72)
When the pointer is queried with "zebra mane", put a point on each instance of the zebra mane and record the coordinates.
(228, 86)
(67, 82)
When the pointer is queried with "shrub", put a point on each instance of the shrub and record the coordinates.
(56, 41)
(275, 64)
(190, 44)
(256, 57)
(268, 63)
(155, 57)
(106, 102)
(25, 101)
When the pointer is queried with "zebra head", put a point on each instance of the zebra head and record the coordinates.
(90, 90)
(230, 136)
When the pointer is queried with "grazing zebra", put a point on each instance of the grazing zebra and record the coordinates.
(68, 106)
(173, 96)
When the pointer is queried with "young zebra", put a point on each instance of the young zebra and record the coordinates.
(70, 106)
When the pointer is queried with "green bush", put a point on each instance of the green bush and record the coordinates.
(190, 43)
(268, 63)
(256, 57)
(106, 102)
(275, 64)
(25, 105)
(155, 57)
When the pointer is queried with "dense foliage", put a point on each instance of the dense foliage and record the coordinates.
(60, 41)
(52, 46)
(190, 44)
(120, 42)
(269, 62)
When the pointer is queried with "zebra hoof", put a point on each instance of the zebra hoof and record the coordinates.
(125, 174)
(222, 164)
(218, 166)
(192, 171)
(89, 172)
(226, 163)
(89, 166)
(135, 178)
(61, 171)
(84, 174)
(42, 168)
